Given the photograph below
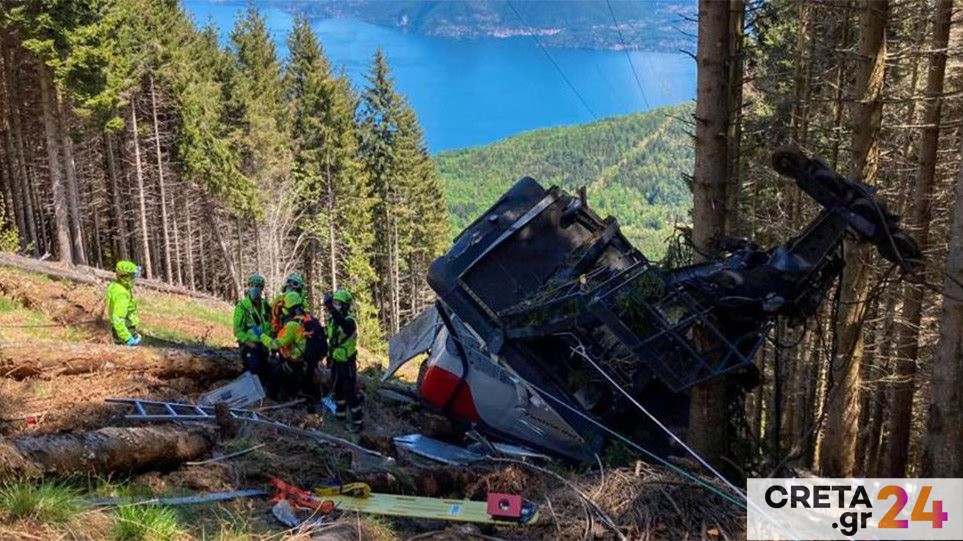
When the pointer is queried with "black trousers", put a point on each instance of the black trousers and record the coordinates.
(255, 359)
(345, 375)
(310, 384)
(287, 379)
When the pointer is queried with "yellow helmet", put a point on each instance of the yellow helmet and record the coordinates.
(292, 299)
(125, 267)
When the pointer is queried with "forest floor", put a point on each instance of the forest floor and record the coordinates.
(45, 317)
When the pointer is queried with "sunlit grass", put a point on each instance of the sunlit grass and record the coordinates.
(146, 523)
(17, 323)
(48, 502)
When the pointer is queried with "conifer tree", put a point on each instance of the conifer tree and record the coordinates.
(408, 196)
(379, 126)
(329, 178)
(256, 113)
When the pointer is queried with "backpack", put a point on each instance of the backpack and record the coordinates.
(276, 315)
(316, 340)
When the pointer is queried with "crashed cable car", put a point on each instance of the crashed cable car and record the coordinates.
(547, 317)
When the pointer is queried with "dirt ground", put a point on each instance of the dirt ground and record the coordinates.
(49, 315)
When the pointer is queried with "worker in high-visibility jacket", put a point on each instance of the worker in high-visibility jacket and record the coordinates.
(121, 307)
(301, 344)
(294, 282)
(342, 332)
(252, 318)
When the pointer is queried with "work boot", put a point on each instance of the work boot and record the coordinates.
(357, 419)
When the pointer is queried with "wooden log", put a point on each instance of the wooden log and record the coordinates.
(19, 361)
(89, 275)
(108, 450)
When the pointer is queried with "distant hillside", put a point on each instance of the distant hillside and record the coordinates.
(633, 167)
(653, 25)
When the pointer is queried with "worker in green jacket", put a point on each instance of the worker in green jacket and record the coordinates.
(252, 318)
(342, 333)
(294, 282)
(121, 307)
(290, 343)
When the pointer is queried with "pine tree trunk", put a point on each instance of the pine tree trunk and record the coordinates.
(332, 237)
(141, 195)
(165, 226)
(48, 102)
(734, 108)
(120, 223)
(839, 459)
(257, 246)
(26, 191)
(209, 216)
(918, 225)
(395, 277)
(838, 98)
(14, 172)
(310, 254)
(708, 414)
(941, 448)
(189, 241)
(239, 252)
(73, 196)
(98, 248)
(176, 241)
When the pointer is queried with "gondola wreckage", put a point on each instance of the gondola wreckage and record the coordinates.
(552, 334)
(552, 331)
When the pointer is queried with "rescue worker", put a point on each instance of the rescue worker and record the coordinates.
(252, 318)
(294, 282)
(121, 307)
(290, 343)
(342, 332)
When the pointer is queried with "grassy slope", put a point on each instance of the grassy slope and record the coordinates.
(23, 315)
(633, 167)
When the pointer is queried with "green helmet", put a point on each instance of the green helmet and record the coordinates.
(125, 267)
(255, 280)
(292, 299)
(294, 281)
(343, 296)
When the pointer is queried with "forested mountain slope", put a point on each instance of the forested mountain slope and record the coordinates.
(654, 25)
(634, 167)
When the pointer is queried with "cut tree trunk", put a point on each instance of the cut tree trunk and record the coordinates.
(106, 451)
(19, 361)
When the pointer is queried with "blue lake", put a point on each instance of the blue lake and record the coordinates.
(472, 92)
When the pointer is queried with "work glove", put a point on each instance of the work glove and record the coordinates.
(133, 340)
(329, 301)
(256, 330)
